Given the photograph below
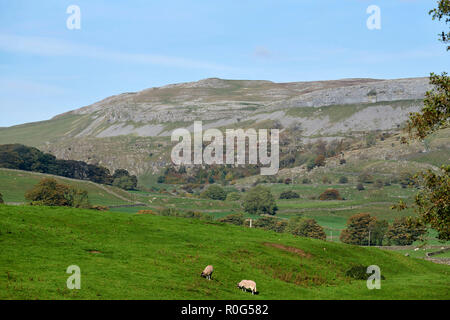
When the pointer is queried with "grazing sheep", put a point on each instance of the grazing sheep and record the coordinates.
(245, 285)
(207, 272)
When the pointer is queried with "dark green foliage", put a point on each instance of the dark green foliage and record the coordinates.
(123, 180)
(357, 231)
(1, 199)
(271, 223)
(307, 228)
(259, 200)
(236, 219)
(215, 192)
(289, 195)
(161, 179)
(404, 231)
(378, 231)
(343, 180)
(360, 187)
(359, 272)
(17, 156)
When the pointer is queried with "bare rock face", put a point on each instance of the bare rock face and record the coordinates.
(128, 130)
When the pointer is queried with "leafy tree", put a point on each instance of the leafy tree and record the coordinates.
(259, 200)
(330, 194)
(378, 231)
(357, 231)
(307, 228)
(215, 192)
(432, 202)
(49, 192)
(233, 196)
(404, 231)
(289, 195)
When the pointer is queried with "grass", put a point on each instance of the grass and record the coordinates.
(14, 184)
(153, 257)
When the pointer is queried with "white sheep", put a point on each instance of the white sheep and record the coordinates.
(207, 272)
(245, 285)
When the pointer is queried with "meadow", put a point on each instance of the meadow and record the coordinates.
(128, 256)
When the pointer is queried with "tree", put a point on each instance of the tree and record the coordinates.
(360, 187)
(48, 192)
(357, 231)
(259, 200)
(215, 192)
(307, 228)
(233, 196)
(378, 231)
(289, 195)
(271, 223)
(1, 198)
(330, 194)
(343, 180)
(432, 202)
(237, 219)
(404, 231)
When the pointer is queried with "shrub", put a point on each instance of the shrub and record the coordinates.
(48, 192)
(342, 161)
(326, 180)
(343, 180)
(319, 161)
(215, 192)
(404, 231)
(365, 178)
(1, 198)
(259, 200)
(161, 179)
(287, 181)
(357, 231)
(307, 228)
(233, 196)
(330, 194)
(146, 212)
(289, 195)
(271, 223)
(359, 272)
(236, 219)
(360, 187)
(100, 208)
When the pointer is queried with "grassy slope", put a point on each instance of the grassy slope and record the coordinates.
(14, 184)
(153, 257)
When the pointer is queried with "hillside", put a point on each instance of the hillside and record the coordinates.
(153, 257)
(132, 130)
(14, 184)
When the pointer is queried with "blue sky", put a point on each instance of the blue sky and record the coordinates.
(123, 46)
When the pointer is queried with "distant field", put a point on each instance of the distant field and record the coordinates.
(14, 184)
(153, 257)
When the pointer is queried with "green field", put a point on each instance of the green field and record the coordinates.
(15, 183)
(154, 257)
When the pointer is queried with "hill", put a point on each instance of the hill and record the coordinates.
(132, 130)
(154, 257)
(14, 184)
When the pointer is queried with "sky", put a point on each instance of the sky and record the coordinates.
(125, 46)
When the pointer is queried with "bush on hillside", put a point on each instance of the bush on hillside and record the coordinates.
(360, 187)
(357, 230)
(233, 196)
(365, 177)
(215, 192)
(1, 198)
(343, 180)
(236, 219)
(259, 200)
(289, 195)
(404, 231)
(307, 228)
(359, 272)
(271, 223)
(48, 192)
(330, 194)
